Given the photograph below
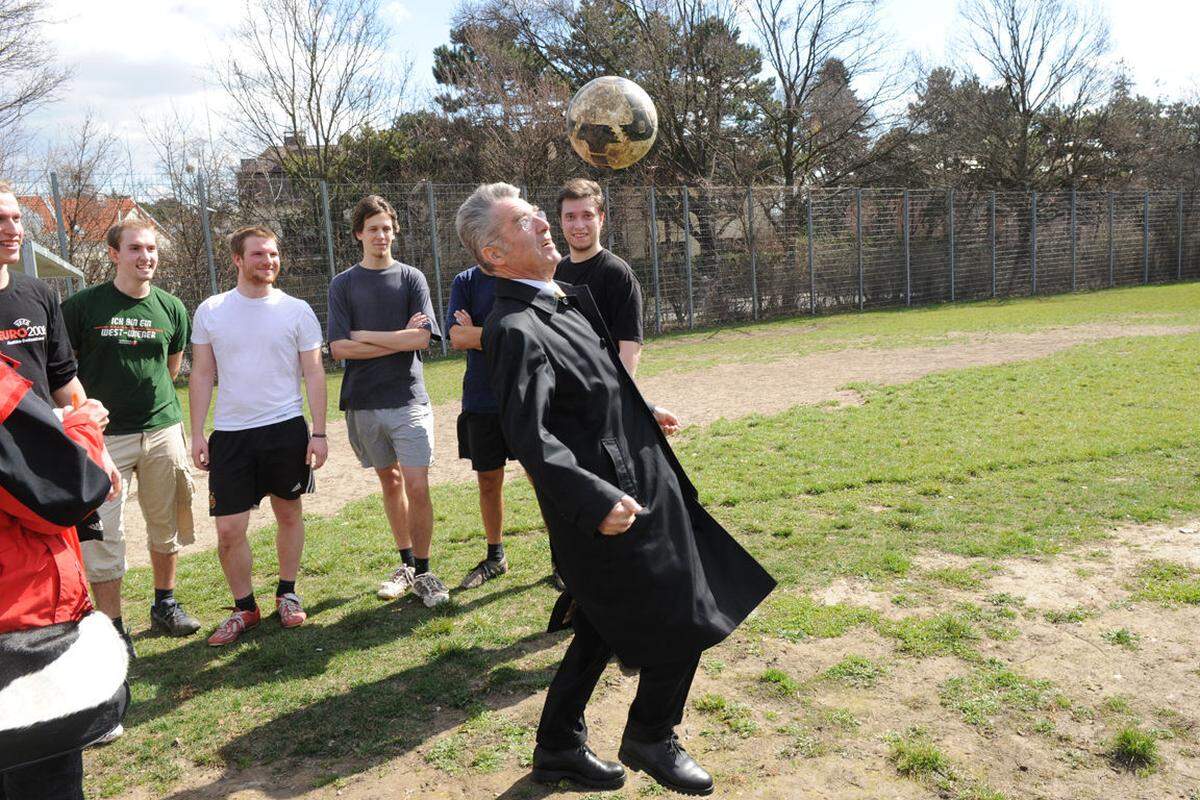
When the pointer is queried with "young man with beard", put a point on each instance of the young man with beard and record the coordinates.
(261, 341)
(389, 419)
(129, 337)
(612, 283)
(650, 575)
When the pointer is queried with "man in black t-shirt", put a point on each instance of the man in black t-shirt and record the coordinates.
(31, 325)
(613, 285)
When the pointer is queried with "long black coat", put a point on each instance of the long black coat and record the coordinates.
(676, 582)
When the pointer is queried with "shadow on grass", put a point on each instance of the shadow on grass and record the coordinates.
(267, 655)
(376, 722)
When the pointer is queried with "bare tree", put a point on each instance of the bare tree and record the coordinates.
(303, 73)
(30, 78)
(89, 168)
(820, 52)
(1048, 55)
(185, 155)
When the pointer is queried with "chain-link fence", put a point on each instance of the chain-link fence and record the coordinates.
(705, 256)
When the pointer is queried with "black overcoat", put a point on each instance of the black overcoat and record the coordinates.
(676, 582)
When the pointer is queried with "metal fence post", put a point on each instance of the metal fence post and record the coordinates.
(1112, 246)
(1179, 236)
(907, 254)
(858, 244)
(328, 228)
(654, 261)
(608, 223)
(992, 237)
(1033, 237)
(1073, 261)
(202, 196)
(687, 257)
(950, 209)
(753, 252)
(812, 264)
(63, 249)
(437, 262)
(1146, 238)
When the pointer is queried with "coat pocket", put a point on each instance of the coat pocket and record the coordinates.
(626, 480)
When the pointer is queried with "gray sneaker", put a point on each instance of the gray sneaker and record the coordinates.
(484, 571)
(399, 583)
(169, 617)
(431, 590)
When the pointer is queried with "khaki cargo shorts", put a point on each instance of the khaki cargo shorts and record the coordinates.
(160, 461)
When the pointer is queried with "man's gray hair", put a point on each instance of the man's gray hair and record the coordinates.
(475, 222)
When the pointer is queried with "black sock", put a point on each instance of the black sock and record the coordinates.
(161, 595)
(119, 625)
(421, 565)
(406, 557)
(285, 587)
(246, 603)
(495, 552)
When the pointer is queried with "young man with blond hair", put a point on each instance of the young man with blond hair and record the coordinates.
(263, 342)
(389, 419)
(129, 337)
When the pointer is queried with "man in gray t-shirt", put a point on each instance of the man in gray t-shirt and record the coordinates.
(380, 318)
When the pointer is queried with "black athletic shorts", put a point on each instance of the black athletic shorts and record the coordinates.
(481, 440)
(246, 466)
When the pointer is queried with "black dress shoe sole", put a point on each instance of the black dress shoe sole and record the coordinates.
(637, 765)
(553, 776)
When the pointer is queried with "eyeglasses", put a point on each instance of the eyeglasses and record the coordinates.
(526, 222)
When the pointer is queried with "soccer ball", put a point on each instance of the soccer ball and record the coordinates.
(611, 122)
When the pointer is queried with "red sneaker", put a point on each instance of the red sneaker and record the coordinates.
(290, 612)
(231, 629)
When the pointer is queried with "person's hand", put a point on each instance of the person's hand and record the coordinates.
(666, 420)
(114, 474)
(318, 451)
(621, 518)
(417, 320)
(200, 451)
(463, 318)
(92, 409)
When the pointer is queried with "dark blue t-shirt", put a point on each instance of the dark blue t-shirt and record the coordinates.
(474, 291)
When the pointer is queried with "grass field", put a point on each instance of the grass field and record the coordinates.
(920, 495)
(687, 351)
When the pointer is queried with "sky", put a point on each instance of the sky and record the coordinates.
(160, 59)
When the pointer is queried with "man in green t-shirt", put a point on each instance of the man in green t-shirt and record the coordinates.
(129, 338)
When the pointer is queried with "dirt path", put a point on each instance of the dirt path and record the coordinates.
(699, 398)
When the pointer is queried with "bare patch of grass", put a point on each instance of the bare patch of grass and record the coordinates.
(992, 690)
(1168, 583)
(857, 671)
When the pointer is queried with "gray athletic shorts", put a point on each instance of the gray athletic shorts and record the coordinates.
(381, 437)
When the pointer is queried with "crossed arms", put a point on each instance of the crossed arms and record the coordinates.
(373, 344)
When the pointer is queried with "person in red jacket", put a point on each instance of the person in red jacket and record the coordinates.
(62, 665)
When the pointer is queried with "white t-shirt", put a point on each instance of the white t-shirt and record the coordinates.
(256, 342)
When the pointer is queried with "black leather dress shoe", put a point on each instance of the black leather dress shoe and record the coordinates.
(578, 764)
(668, 763)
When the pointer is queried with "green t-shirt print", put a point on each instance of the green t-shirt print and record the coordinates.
(122, 343)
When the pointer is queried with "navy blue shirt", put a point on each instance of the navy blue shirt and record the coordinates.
(474, 291)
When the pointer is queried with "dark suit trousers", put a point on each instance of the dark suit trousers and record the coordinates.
(656, 710)
(58, 778)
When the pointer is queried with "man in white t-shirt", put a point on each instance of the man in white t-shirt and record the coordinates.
(261, 341)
